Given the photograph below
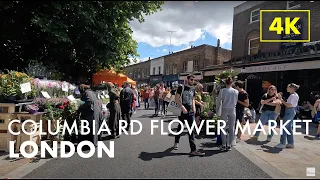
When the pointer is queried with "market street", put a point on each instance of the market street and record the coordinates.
(147, 156)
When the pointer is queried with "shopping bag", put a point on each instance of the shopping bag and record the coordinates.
(173, 106)
(168, 97)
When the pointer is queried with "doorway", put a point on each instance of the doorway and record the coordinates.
(254, 89)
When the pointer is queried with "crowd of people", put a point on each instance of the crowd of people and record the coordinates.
(232, 105)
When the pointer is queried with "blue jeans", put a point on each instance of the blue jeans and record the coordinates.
(264, 118)
(290, 113)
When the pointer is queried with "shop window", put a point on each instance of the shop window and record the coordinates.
(254, 46)
(293, 5)
(255, 15)
(174, 69)
(185, 66)
(196, 65)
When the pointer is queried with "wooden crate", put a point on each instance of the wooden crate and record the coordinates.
(4, 141)
(26, 116)
(7, 108)
(36, 137)
(5, 120)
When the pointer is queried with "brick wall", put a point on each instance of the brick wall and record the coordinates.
(138, 68)
(243, 30)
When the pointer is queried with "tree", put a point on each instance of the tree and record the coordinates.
(76, 37)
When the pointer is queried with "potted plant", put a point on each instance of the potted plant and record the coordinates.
(32, 108)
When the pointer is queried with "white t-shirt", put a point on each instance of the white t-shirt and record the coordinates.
(293, 99)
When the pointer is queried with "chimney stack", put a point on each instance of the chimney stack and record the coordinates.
(149, 58)
(217, 61)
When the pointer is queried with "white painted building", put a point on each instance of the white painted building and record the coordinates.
(157, 66)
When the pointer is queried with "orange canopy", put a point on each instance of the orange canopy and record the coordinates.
(111, 76)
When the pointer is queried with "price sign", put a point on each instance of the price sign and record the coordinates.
(25, 87)
(71, 98)
(45, 94)
(65, 87)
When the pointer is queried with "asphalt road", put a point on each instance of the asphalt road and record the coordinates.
(152, 156)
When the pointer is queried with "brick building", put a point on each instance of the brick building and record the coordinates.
(139, 72)
(176, 66)
(263, 63)
(190, 61)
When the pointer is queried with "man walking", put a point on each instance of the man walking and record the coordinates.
(187, 104)
(243, 101)
(126, 100)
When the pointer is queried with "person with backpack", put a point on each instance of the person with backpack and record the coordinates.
(269, 101)
(185, 98)
(226, 108)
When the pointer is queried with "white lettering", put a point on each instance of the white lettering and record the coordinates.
(307, 125)
(70, 130)
(294, 131)
(123, 128)
(84, 124)
(153, 126)
(259, 127)
(221, 128)
(283, 127)
(104, 127)
(170, 127)
(209, 126)
(63, 145)
(272, 124)
(10, 125)
(52, 151)
(110, 151)
(12, 154)
(140, 127)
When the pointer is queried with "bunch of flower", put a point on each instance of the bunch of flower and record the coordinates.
(10, 84)
(32, 108)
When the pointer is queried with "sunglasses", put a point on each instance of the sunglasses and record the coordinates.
(191, 79)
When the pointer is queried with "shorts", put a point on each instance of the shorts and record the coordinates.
(239, 115)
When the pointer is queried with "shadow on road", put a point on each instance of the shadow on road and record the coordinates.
(208, 145)
(309, 138)
(145, 156)
(270, 149)
(255, 142)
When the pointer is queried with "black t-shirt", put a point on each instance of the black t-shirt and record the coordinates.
(242, 96)
(187, 96)
(268, 107)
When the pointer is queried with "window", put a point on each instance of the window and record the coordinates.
(185, 66)
(159, 68)
(148, 72)
(255, 15)
(167, 70)
(254, 46)
(135, 74)
(154, 71)
(174, 69)
(195, 65)
(293, 5)
(142, 73)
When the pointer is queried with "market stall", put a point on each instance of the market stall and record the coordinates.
(111, 76)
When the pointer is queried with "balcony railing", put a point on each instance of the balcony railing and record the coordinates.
(296, 53)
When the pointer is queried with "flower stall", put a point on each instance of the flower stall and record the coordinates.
(23, 97)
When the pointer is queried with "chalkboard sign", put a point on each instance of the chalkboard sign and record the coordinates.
(292, 36)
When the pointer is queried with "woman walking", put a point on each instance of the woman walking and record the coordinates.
(290, 113)
(269, 101)
(226, 104)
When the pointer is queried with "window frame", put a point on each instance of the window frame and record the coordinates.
(249, 48)
(154, 71)
(293, 7)
(174, 69)
(195, 65)
(185, 66)
(254, 16)
(159, 70)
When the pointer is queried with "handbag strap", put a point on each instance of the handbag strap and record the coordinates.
(181, 93)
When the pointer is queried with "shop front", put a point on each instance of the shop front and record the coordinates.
(168, 80)
(258, 78)
(155, 79)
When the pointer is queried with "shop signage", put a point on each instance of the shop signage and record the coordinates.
(283, 67)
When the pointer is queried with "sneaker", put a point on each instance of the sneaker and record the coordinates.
(175, 147)
(290, 146)
(280, 146)
(269, 139)
(197, 153)
(222, 148)
(229, 148)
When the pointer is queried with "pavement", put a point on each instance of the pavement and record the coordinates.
(152, 156)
